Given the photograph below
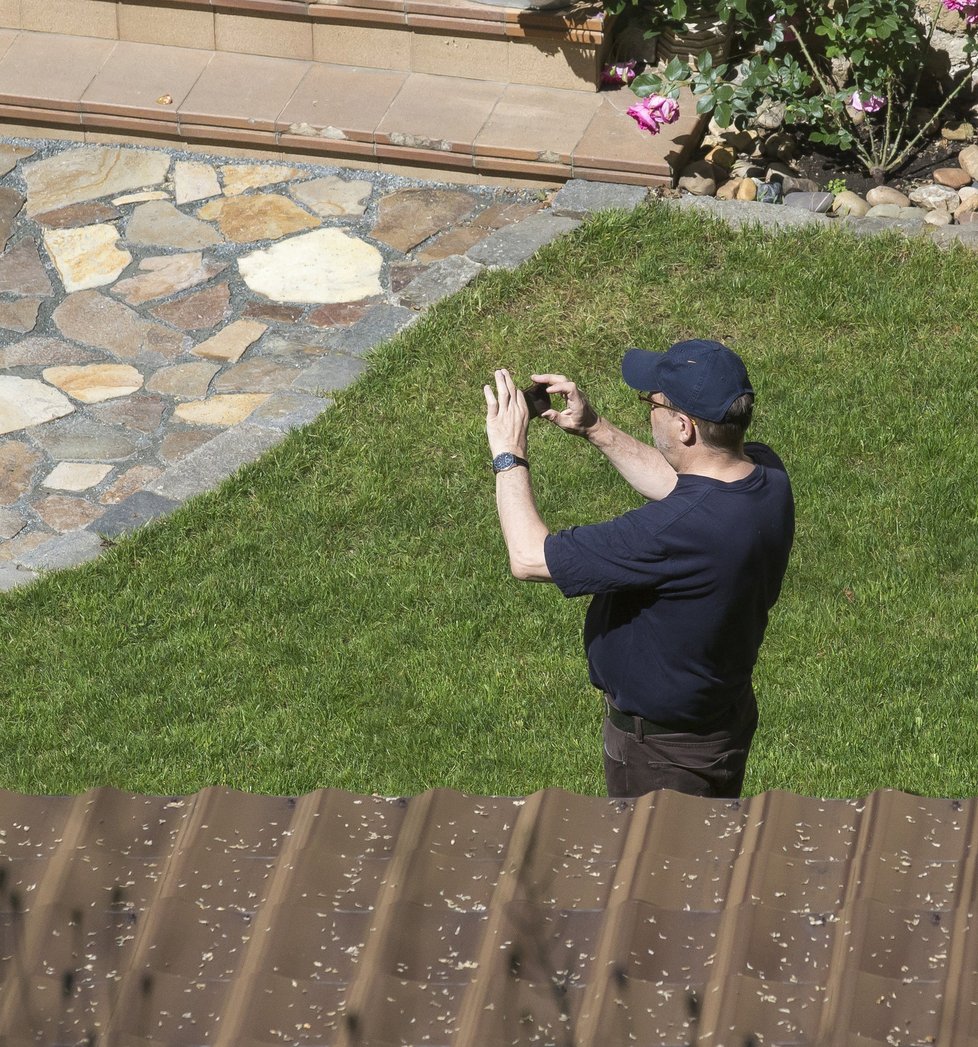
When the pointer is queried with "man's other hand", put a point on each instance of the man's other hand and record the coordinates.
(507, 416)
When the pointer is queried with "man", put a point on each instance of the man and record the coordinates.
(683, 585)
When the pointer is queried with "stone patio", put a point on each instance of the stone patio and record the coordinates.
(166, 319)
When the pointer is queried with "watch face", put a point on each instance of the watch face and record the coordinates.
(503, 461)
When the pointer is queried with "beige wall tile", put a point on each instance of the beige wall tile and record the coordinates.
(445, 55)
(263, 35)
(362, 45)
(175, 26)
(73, 17)
(10, 14)
(569, 67)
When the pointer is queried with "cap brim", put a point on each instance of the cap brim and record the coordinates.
(640, 369)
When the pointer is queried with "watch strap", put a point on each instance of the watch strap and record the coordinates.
(507, 460)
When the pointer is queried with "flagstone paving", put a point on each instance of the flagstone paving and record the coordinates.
(165, 318)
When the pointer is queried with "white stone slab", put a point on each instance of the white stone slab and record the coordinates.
(25, 402)
(326, 265)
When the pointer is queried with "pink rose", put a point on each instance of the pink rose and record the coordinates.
(873, 104)
(651, 112)
(968, 8)
(620, 74)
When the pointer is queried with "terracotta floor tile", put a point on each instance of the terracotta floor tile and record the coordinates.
(530, 123)
(7, 37)
(50, 70)
(242, 91)
(439, 112)
(136, 76)
(350, 99)
(613, 139)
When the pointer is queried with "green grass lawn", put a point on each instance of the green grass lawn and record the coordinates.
(341, 612)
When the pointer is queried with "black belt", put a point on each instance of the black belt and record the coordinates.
(636, 725)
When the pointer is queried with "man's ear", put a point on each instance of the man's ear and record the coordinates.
(687, 429)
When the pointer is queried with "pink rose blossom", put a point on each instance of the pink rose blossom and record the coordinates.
(873, 104)
(620, 74)
(968, 8)
(651, 112)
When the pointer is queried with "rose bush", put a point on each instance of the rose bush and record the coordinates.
(847, 73)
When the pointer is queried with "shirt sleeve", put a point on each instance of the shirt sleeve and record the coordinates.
(624, 553)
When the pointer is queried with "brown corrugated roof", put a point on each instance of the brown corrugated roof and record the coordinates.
(227, 918)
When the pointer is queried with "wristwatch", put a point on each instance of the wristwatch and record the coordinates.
(507, 460)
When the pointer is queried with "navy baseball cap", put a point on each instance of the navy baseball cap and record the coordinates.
(700, 377)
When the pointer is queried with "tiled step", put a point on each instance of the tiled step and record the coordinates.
(464, 38)
(448, 127)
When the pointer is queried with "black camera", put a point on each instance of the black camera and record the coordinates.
(537, 398)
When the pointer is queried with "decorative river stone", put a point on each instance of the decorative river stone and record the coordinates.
(935, 197)
(25, 402)
(326, 265)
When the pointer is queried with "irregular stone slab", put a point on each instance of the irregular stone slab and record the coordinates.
(26, 542)
(968, 160)
(239, 178)
(263, 374)
(44, 352)
(442, 279)
(295, 347)
(93, 319)
(10, 204)
(339, 314)
(12, 577)
(20, 315)
(62, 513)
(198, 311)
(68, 550)
(183, 381)
(266, 216)
(25, 402)
(229, 345)
(86, 257)
(81, 440)
(141, 413)
(21, 271)
(330, 374)
(11, 155)
(408, 217)
(167, 274)
(287, 410)
(92, 383)
(578, 198)
(326, 265)
(496, 216)
(226, 409)
(507, 248)
(132, 513)
(401, 274)
(76, 476)
(332, 196)
(11, 523)
(194, 181)
(141, 198)
(203, 469)
(160, 224)
(935, 198)
(77, 175)
(181, 442)
(279, 314)
(379, 325)
(129, 483)
(884, 194)
(77, 215)
(18, 465)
